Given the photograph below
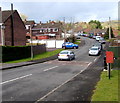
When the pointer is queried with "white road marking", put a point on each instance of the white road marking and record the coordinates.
(58, 87)
(16, 79)
(50, 68)
(89, 64)
(95, 59)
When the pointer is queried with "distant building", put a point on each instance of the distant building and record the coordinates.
(47, 30)
(100, 32)
(12, 29)
(29, 24)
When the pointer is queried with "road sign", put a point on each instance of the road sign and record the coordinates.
(109, 57)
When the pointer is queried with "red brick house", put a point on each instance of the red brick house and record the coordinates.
(115, 32)
(47, 30)
(15, 36)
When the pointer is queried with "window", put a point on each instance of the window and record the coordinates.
(49, 30)
(55, 30)
(40, 30)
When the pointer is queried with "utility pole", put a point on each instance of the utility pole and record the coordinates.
(64, 29)
(2, 34)
(31, 42)
(12, 26)
(109, 28)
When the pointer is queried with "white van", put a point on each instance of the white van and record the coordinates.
(98, 38)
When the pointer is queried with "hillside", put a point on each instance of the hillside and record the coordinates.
(114, 24)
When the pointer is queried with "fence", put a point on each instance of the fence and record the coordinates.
(116, 51)
(50, 43)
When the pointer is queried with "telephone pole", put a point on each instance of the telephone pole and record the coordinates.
(12, 26)
(64, 29)
(109, 28)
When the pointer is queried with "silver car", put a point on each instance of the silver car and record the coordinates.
(66, 55)
(94, 51)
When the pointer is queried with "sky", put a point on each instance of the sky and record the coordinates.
(71, 10)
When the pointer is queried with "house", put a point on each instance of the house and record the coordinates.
(29, 24)
(49, 30)
(100, 32)
(116, 32)
(13, 32)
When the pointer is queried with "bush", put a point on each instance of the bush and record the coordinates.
(71, 39)
(10, 53)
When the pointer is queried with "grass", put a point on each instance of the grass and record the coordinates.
(77, 42)
(36, 57)
(107, 90)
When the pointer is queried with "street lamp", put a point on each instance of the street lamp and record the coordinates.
(2, 34)
(31, 42)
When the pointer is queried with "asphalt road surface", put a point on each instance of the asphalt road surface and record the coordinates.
(47, 81)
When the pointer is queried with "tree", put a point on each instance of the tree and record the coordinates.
(95, 24)
(106, 36)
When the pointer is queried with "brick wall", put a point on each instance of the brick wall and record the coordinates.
(39, 49)
(19, 31)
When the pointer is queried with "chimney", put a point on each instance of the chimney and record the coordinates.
(49, 21)
(40, 22)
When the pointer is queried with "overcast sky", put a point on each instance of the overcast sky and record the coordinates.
(71, 10)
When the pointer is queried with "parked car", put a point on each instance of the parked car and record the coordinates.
(77, 37)
(79, 34)
(94, 37)
(102, 40)
(69, 45)
(90, 36)
(66, 55)
(99, 45)
(94, 51)
(98, 38)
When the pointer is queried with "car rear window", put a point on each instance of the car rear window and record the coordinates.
(64, 53)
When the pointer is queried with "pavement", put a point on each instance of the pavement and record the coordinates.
(5, 66)
(15, 65)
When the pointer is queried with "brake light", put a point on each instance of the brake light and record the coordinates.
(58, 54)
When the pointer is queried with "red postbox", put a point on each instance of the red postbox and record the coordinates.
(109, 57)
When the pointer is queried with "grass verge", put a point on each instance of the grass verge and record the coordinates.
(107, 90)
(77, 42)
(36, 57)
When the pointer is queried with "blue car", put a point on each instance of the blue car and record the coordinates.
(69, 45)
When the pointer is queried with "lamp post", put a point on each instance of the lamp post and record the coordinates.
(2, 34)
(31, 42)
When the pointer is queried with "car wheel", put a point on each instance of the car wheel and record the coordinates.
(73, 57)
(70, 59)
(59, 59)
(64, 47)
(74, 47)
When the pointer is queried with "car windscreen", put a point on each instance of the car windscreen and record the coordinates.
(94, 49)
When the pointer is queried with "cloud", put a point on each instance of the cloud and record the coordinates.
(60, 0)
(82, 11)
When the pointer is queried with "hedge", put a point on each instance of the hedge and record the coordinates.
(10, 53)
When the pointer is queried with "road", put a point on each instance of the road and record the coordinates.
(38, 81)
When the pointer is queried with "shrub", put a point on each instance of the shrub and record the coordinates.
(10, 53)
